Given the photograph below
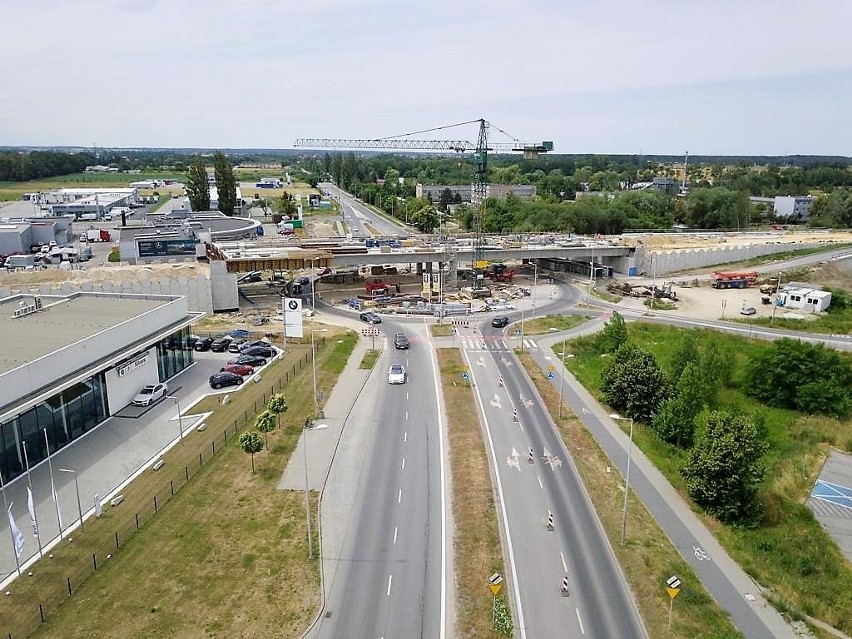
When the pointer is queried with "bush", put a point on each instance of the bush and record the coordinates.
(114, 256)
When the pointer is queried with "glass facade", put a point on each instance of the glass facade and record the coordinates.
(173, 354)
(65, 416)
(74, 411)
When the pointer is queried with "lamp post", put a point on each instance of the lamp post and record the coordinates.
(561, 379)
(313, 283)
(314, 367)
(535, 285)
(308, 424)
(77, 488)
(180, 417)
(618, 417)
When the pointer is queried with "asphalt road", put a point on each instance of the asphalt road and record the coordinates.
(390, 580)
(356, 215)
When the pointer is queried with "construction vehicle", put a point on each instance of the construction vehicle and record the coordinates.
(499, 273)
(376, 287)
(733, 279)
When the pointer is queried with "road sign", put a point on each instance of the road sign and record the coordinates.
(673, 586)
(465, 375)
(495, 588)
(551, 367)
(550, 375)
(495, 583)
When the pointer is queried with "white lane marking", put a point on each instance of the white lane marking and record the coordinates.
(564, 565)
(539, 482)
(443, 622)
(390, 580)
(396, 533)
(399, 497)
(405, 438)
(406, 415)
(580, 620)
(403, 463)
(406, 395)
(515, 585)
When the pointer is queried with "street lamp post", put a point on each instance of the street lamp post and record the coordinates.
(618, 417)
(314, 367)
(77, 488)
(561, 379)
(535, 285)
(180, 417)
(308, 424)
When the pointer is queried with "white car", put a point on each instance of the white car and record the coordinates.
(396, 374)
(150, 394)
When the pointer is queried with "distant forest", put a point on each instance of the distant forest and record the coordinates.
(579, 193)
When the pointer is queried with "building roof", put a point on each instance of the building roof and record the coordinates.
(62, 321)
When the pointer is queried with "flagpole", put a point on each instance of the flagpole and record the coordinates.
(30, 501)
(8, 508)
(52, 485)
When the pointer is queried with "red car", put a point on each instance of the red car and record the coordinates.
(237, 369)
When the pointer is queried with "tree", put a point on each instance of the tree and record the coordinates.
(633, 383)
(251, 443)
(725, 469)
(276, 405)
(196, 185)
(288, 205)
(266, 422)
(226, 185)
(613, 335)
(675, 421)
(686, 353)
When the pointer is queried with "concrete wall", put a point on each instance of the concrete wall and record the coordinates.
(672, 261)
(223, 288)
(121, 390)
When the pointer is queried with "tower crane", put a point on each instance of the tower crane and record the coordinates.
(480, 149)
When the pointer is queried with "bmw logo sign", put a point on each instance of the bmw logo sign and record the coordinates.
(293, 304)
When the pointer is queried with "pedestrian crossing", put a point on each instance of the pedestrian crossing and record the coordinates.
(475, 345)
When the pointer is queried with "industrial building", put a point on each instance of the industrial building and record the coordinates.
(18, 235)
(65, 369)
(793, 207)
(92, 201)
(803, 296)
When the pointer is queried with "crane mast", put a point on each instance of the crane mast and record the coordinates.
(480, 149)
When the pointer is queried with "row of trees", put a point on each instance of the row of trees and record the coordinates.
(35, 165)
(198, 189)
(269, 420)
(724, 466)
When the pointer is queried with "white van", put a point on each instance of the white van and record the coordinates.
(20, 262)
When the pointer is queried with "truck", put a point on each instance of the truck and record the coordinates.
(22, 262)
(376, 287)
(95, 235)
(733, 279)
(499, 273)
(88, 217)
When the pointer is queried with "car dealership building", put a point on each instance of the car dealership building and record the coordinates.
(70, 362)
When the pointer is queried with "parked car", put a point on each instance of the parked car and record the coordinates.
(400, 341)
(218, 380)
(259, 351)
(370, 317)
(237, 369)
(234, 346)
(257, 342)
(150, 394)
(191, 341)
(396, 374)
(203, 344)
(248, 360)
(220, 345)
(500, 322)
(748, 310)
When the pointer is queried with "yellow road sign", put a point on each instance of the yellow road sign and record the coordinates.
(495, 588)
(673, 592)
(550, 367)
(481, 264)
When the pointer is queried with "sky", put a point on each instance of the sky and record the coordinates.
(711, 77)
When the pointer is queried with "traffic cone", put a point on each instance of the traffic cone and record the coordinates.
(549, 520)
(565, 591)
(531, 458)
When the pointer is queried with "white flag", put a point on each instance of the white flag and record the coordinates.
(56, 503)
(31, 508)
(17, 535)
(97, 505)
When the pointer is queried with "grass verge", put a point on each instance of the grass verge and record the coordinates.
(220, 554)
(543, 325)
(648, 558)
(477, 539)
(369, 359)
(441, 330)
(787, 551)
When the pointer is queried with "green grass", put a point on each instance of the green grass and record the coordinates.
(834, 322)
(787, 552)
(370, 358)
(786, 255)
(215, 558)
(542, 325)
(441, 330)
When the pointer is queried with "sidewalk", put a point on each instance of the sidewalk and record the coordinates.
(723, 578)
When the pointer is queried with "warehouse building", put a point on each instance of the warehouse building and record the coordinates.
(65, 369)
(97, 202)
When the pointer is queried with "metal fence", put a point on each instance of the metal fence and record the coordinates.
(91, 553)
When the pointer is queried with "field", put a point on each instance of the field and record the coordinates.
(787, 552)
(223, 555)
(10, 191)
